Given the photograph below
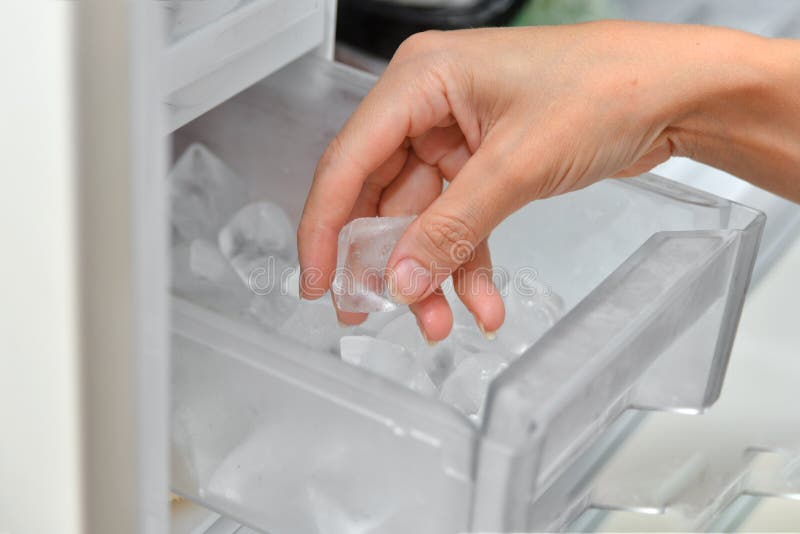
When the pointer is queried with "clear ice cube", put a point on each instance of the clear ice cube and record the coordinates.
(346, 496)
(437, 359)
(204, 193)
(230, 479)
(364, 248)
(376, 322)
(314, 324)
(343, 510)
(206, 261)
(258, 241)
(196, 276)
(461, 315)
(465, 336)
(531, 309)
(469, 339)
(387, 359)
(466, 387)
(273, 310)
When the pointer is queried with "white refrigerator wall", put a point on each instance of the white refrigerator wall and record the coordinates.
(40, 414)
(83, 369)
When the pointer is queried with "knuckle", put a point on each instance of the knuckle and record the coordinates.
(340, 153)
(419, 43)
(450, 238)
(333, 152)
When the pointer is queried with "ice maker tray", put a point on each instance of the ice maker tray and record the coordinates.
(288, 439)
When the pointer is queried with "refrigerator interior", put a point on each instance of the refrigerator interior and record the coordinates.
(656, 273)
(664, 492)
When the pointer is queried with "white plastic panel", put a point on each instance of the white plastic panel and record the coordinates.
(235, 45)
(685, 471)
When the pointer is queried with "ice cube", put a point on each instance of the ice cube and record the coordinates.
(267, 275)
(470, 340)
(437, 359)
(270, 275)
(387, 359)
(378, 321)
(461, 315)
(273, 310)
(465, 336)
(238, 475)
(204, 193)
(466, 387)
(364, 249)
(258, 240)
(404, 330)
(334, 514)
(314, 323)
(206, 261)
(346, 497)
(200, 282)
(531, 309)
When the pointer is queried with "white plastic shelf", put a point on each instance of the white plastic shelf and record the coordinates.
(240, 44)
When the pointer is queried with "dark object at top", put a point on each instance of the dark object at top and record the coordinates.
(379, 26)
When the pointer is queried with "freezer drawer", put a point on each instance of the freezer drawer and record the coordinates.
(288, 439)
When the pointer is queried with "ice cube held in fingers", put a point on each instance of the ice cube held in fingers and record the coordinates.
(364, 248)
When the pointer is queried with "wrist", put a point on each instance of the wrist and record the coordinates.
(742, 105)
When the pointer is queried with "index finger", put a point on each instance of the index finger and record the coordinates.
(402, 104)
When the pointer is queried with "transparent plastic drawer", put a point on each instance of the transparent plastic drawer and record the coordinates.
(710, 473)
(288, 439)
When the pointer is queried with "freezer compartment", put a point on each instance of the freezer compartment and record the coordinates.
(216, 48)
(651, 274)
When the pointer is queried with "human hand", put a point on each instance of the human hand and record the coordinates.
(507, 116)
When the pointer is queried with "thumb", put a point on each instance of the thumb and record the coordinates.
(447, 233)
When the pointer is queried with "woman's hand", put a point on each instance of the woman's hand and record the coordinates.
(507, 116)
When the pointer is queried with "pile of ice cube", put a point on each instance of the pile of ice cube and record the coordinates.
(460, 368)
(239, 258)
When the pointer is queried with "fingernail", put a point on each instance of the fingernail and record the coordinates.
(488, 335)
(408, 281)
(342, 325)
